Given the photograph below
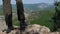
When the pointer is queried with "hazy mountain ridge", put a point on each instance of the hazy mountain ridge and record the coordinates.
(33, 7)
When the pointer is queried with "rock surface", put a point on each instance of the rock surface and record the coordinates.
(37, 29)
(32, 29)
(2, 23)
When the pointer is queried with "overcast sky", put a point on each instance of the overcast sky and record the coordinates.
(31, 1)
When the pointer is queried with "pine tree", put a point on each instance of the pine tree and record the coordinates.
(56, 17)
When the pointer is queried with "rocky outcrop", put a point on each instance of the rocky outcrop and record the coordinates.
(33, 29)
(37, 29)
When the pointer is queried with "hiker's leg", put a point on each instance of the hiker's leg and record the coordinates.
(8, 13)
(20, 12)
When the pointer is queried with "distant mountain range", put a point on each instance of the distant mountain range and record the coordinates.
(33, 7)
(39, 6)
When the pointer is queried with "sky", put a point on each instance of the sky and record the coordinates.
(31, 1)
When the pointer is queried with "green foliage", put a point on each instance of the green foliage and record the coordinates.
(15, 22)
(1, 11)
(45, 19)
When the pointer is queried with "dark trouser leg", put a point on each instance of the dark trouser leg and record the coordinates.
(7, 12)
(8, 20)
(8, 15)
(22, 25)
(20, 12)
